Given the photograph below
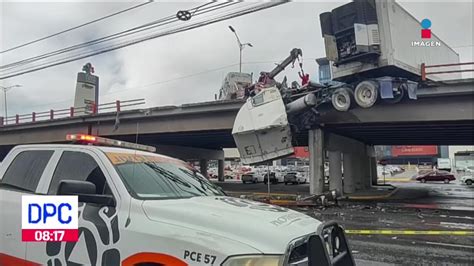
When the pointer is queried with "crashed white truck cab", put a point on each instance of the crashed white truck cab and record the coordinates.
(261, 130)
(140, 208)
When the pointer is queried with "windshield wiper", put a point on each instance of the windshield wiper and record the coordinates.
(173, 178)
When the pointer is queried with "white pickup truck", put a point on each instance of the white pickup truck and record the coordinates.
(141, 208)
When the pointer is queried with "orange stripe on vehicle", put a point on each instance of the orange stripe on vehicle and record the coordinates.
(7, 260)
(163, 259)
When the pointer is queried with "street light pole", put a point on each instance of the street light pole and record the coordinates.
(241, 47)
(5, 89)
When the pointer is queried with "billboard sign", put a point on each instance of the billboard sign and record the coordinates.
(87, 91)
(420, 150)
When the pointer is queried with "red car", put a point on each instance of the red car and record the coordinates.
(436, 176)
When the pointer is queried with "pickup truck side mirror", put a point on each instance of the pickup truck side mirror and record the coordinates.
(329, 247)
(86, 191)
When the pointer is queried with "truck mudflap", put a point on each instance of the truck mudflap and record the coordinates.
(388, 85)
(329, 246)
(261, 130)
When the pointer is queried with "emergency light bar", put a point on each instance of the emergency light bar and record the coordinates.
(108, 142)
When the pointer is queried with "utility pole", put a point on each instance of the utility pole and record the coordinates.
(5, 89)
(241, 47)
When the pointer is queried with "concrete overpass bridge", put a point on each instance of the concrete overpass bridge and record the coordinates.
(442, 115)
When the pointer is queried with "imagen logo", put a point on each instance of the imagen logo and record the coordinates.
(425, 31)
(49, 218)
(425, 35)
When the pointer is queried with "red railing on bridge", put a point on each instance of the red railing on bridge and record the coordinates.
(88, 110)
(424, 67)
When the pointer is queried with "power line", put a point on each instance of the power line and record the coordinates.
(76, 27)
(173, 79)
(134, 30)
(146, 38)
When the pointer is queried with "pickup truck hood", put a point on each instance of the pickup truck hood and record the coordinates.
(264, 227)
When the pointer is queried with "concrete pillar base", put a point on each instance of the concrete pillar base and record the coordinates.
(335, 171)
(203, 167)
(220, 170)
(348, 162)
(316, 161)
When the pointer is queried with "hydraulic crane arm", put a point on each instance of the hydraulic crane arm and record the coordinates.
(294, 54)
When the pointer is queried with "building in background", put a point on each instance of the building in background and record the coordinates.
(462, 157)
(411, 154)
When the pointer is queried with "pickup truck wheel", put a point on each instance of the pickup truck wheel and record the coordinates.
(423, 180)
(366, 93)
(342, 99)
(255, 181)
(398, 94)
(446, 181)
(468, 182)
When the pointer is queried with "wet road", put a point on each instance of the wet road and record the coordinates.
(431, 206)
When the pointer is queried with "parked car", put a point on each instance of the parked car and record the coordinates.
(467, 170)
(467, 179)
(212, 172)
(436, 176)
(275, 178)
(295, 177)
(252, 177)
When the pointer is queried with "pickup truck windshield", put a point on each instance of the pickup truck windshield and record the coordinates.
(157, 177)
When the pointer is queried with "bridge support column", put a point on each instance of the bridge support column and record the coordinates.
(367, 175)
(316, 161)
(220, 170)
(335, 173)
(372, 165)
(348, 163)
(203, 167)
(358, 171)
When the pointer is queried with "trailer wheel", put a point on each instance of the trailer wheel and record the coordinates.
(398, 94)
(366, 93)
(342, 99)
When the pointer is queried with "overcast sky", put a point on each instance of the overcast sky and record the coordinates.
(152, 69)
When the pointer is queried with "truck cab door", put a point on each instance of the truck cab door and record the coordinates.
(261, 130)
(22, 177)
(98, 225)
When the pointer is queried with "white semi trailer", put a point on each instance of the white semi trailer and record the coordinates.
(377, 47)
(376, 51)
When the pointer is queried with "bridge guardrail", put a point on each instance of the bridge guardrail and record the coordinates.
(87, 110)
(424, 67)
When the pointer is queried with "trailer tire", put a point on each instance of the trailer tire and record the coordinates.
(342, 99)
(398, 95)
(366, 93)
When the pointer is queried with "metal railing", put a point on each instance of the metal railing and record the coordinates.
(424, 67)
(88, 110)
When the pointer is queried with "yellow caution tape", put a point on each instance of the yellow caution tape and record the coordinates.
(408, 232)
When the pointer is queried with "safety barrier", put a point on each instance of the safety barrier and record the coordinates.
(88, 110)
(424, 67)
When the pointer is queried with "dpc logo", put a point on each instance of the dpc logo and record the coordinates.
(425, 31)
(49, 218)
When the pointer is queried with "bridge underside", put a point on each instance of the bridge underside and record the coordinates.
(439, 133)
(445, 120)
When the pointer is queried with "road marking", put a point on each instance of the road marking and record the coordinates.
(449, 245)
(408, 232)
